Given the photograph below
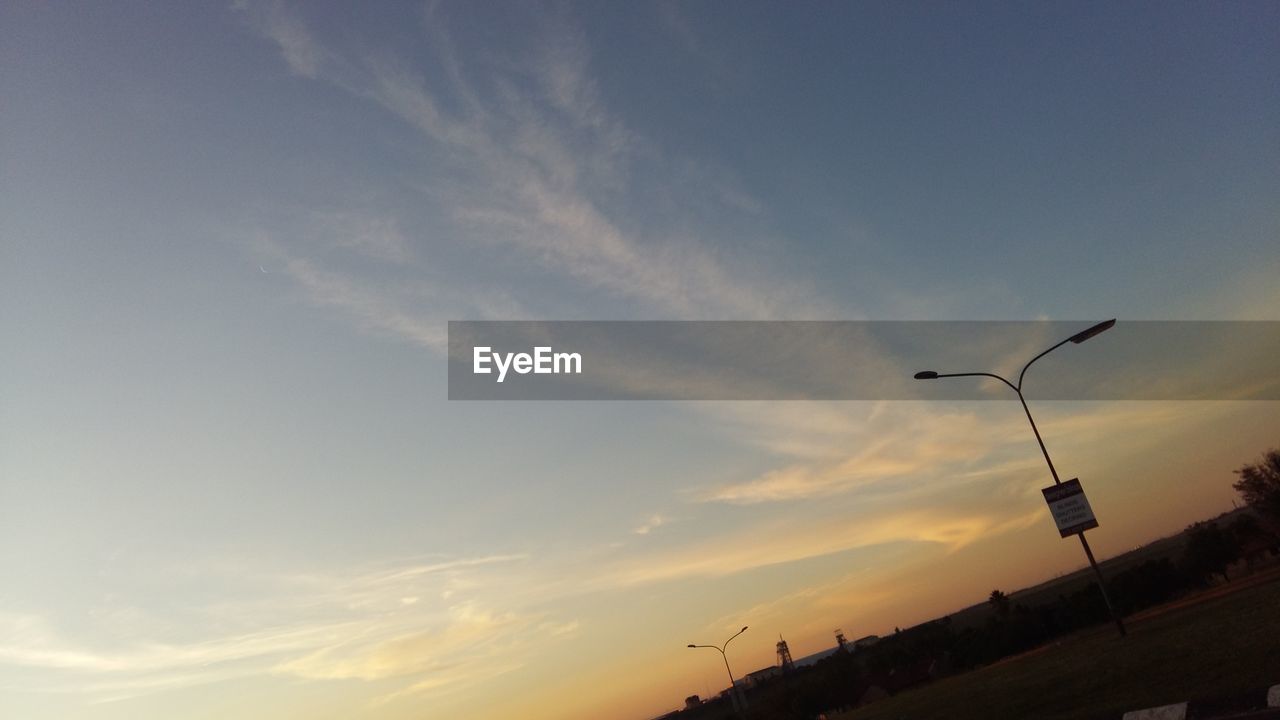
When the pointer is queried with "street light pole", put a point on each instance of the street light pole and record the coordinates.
(1076, 339)
(733, 694)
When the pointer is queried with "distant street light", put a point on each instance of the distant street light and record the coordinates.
(721, 648)
(1076, 339)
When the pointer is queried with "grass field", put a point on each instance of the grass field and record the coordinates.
(1226, 643)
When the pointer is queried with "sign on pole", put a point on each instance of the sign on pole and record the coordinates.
(1070, 507)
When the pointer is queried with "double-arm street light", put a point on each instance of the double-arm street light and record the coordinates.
(721, 649)
(1076, 339)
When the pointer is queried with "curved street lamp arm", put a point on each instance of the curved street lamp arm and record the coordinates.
(1077, 339)
(990, 375)
(1046, 352)
(726, 642)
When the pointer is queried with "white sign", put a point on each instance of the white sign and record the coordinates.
(1070, 507)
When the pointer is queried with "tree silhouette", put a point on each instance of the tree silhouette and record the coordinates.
(1000, 602)
(1209, 550)
(1259, 484)
(1245, 528)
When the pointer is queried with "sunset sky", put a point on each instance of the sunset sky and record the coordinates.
(231, 236)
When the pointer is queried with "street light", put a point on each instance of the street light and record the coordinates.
(1075, 339)
(721, 648)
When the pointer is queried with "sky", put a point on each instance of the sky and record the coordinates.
(231, 236)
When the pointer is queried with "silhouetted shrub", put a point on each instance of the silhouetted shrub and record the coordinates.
(1151, 583)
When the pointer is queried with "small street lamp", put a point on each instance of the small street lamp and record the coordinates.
(732, 683)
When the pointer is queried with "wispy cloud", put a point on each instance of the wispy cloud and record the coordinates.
(654, 522)
(807, 538)
(309, 626)
(375, 237)
(882, 444)
(299, 50)
(528, 160)
(466, 628)
(375, 309)
(833, 449)
(807, 602)
(31, 642)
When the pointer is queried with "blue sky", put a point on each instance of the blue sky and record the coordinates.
(232, 236)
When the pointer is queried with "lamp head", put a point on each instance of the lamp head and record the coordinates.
(693, 646)
(926, 375)
(1096, 329)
